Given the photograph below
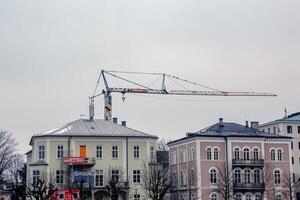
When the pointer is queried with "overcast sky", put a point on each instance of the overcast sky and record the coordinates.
(51, 53)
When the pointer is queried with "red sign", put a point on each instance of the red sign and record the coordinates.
(74, 160)
(66, 194)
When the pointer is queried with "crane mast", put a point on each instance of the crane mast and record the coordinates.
(142, 89)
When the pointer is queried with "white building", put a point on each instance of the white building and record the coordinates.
(95, 151)
(288, 126)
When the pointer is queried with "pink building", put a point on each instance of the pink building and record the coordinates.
(233, 160)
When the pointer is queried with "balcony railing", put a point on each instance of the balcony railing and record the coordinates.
(248, 186)
(79, 161)
(250, 162)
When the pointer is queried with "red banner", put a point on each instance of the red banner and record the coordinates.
(73, 160)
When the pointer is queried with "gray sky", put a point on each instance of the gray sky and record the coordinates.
(51, 53)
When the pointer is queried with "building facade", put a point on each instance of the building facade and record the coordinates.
(229, 159)
(91, 152)
(287, 126)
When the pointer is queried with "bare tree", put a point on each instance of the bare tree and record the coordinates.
(288, 184)
(225, 182)
(7, 151)
(155, 181)
(161, 145)
(16, 177)
(268, 179)
(43, 188)
(116, 184)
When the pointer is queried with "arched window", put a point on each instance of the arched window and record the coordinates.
(216, 154)
(257, 196)
(255, 154)
(247, 176)
(278, 196)
(238, 197)
(248, 197)
(236, 153)
(213, 196)
(246, 154)
(237, 176)
(277, 177)
(256, 176)
(213, 176)
(208, 153)
(272, 154)
(279, 154)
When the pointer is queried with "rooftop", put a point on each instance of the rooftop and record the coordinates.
(295, 117)
(93, 127)
(230, 129)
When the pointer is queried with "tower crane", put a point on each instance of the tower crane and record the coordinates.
(162, 90)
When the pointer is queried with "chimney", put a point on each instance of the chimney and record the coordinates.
(115, 120)
(255, 125)
(123, 123)
(247, 124)
(220, 120)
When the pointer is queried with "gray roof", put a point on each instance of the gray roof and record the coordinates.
(230, 129)
(94, 127)
(295, 117)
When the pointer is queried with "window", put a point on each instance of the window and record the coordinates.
(257, 197)
(298, 129)
(269, 130)
(136, 152)
(115, 175)
(292, 160)
(136, 176)
(213, 176)
(208, 153)
(136, 197)
(99, 178)
(298, 145)
(236, 153)
(278, 196)
(214, 196)
(238, 197)
(183, 156)
(115, 152)
(279, 154)
(174, 179)
(192, 177)
(60, 151)
(182, 179)
(173, 158)
(246, 154)
(256, 176)
(59, 177)
(274, 130)
(289, 129)
(292, 145)
(216, 154)
(99, 152)
(35, 176)
(277, 177)
(41, 153)
(193, 154)
(152, 155)
(272, 154)
(255, 154)
(248, 197)
(237, 176)
(247, 176)
(61, 196)
(180, 157)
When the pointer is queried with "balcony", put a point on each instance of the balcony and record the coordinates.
(248, 187)
(248, 163)
(80, 161)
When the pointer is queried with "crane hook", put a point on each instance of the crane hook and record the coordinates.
(123, 97)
